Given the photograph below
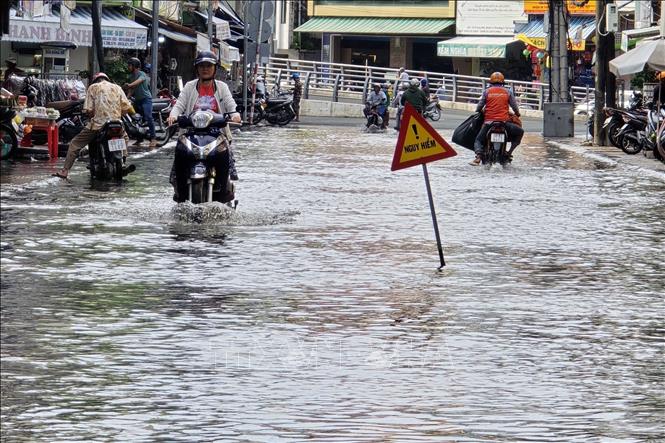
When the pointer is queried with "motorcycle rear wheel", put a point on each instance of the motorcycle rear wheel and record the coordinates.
(630, 145)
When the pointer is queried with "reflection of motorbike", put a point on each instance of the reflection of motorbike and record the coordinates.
(433, 109)
(202, 159)
(495, 145)
(106, 153)
(8, 130)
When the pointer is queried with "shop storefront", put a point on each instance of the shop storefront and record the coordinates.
(26, 35)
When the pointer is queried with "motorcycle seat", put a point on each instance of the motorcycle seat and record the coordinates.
(65, 106)
(158, 106)
(277, 101)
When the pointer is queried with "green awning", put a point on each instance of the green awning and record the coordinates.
(475, 46)
(382, 26)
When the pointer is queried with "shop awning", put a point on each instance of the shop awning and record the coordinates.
(381, 26)
(177, 36)
(117, 30)
(474, 46)
(579, 29)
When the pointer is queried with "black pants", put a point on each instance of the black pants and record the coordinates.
(515, 134)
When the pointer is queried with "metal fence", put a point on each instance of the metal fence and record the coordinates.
(351, 83)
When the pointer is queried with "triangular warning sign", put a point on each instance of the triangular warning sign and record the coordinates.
(418, 142)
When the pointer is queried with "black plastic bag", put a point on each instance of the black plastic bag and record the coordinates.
(465, 134)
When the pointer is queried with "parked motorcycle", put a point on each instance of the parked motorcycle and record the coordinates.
(279, 111)
(495, 145)
(630, 135)
(197, 153)
(433, 109)
(8, 131)
(106, 153)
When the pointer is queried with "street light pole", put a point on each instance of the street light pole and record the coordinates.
(155, 46)
(97, 43)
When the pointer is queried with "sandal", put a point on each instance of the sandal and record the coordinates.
(59, 174)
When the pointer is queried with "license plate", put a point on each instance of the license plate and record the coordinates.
(498, 137)
(116, 144)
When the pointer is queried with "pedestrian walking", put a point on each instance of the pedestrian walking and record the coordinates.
(297, 94)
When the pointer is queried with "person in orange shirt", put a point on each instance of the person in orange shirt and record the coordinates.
(496, 100)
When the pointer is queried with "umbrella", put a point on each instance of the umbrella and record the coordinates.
(650, 53)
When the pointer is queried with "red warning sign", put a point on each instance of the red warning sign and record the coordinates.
(418, 142)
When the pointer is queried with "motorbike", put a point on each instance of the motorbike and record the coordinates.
(495, 145)
(106, 153)
(203, 140)
(433, 110)
(614, 120)
(161, 108)
(278, 111)
(374, 118)
(630, 136)
(649, 138)
(8, 131)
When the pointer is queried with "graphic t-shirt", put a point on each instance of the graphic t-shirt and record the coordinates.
(206, 100)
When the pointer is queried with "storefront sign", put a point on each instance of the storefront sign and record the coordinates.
(446, 49)
(37, 32)
(541, 42)
(488, 17)
(222, 29)
(574, 7)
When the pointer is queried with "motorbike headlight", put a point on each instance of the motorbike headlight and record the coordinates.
(201, 119)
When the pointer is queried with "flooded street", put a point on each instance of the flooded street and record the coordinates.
(315, 312)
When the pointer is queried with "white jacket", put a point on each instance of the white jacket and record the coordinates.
(189, 95)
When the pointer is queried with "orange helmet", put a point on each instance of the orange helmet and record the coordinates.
(660, 75)
(497, 77)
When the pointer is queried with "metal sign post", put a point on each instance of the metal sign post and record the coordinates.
(417, 144)
(434, 222)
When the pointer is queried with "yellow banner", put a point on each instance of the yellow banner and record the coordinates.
(539, 42)
(541, 7)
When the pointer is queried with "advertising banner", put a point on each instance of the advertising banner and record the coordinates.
(575, 7)
(489, 17)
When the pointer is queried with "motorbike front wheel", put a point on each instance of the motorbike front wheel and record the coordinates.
(198, 192)
(435, 114)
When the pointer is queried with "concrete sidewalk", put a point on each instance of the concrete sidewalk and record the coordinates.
(611, 155)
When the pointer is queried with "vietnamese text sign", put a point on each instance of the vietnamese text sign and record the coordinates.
(488, 17)
(541, 7)
(37, 32)
(418, 142)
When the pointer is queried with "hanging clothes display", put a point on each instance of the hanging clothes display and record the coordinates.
(46, 91)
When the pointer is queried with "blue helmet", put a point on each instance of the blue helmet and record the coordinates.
(295, 75)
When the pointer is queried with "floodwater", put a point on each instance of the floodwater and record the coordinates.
(316, 311)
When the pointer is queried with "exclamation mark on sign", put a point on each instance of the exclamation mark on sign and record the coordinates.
(415, 131)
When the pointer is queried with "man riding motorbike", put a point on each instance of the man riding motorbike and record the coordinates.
(140, 89)
(104, 101)
(496, 100)
(203, 93)
(377, 98)
(415, 96)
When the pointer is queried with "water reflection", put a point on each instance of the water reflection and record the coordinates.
(315, 310)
